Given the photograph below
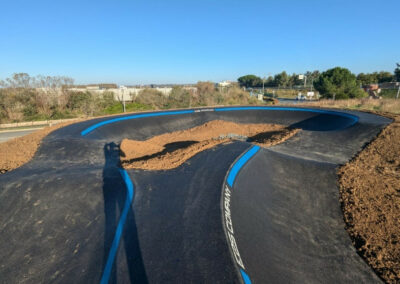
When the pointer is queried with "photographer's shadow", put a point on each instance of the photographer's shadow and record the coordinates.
(115, 196)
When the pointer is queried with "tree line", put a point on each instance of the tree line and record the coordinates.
(278, 80)
(337, 82)
(284, 79)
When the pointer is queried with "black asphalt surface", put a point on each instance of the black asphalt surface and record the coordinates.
(59, 213)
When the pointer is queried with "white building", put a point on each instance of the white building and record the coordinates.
(225, 83)
(122, 92)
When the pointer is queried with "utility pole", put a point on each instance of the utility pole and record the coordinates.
(123, 97)
(312, 83)
(263, 85)
(303, 77)
(398, 91)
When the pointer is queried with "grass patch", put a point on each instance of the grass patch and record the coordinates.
(53, 116)
(130, 107)
(388, 94)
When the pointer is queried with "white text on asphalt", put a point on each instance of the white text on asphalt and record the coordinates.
(229, 226)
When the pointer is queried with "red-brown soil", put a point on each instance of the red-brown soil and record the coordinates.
(18, 151)
(170, 150)
(370, 197)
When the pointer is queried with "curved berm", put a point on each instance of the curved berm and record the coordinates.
(236, 213)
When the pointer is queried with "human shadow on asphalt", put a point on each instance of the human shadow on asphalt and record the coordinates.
(114, 193)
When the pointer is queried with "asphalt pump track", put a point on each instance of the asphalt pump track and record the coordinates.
(236, 213)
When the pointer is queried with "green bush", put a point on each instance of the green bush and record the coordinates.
(107, 99)
(78, 100)
(388, 93)
(16, 104)
(30, 111)
(24, 104)
(3, 109)
(130, 107)
(151, 98)
(84, 102)
(236, 96)
(61, 114)
(178, 98)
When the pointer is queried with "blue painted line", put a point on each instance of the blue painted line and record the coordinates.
(231, 176)
(154, 114)
(351, 116)
(105, 122)
(118, 233)
(245, 277)
(240, 163)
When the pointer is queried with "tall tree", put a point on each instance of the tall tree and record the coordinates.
(339, 83)
(23, 80)
(250, 81)
(397, 73)
(384, 76)
(375, 78)
(294, 80)
(312, 76)
(366, 79)
(270, 82)
(18, 80)
(281, 79)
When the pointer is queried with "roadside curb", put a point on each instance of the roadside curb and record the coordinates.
(35, 123)
(22, 129)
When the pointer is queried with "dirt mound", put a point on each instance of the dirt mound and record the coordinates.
(18, 151)
(170, 150)
(370, 197)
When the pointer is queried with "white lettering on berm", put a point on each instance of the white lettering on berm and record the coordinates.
(229, 226)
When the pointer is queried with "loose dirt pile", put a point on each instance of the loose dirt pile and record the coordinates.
(18, 151)
(170, 150)
(370, 197)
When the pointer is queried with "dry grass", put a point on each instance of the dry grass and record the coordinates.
(383, 105)
(288, 93)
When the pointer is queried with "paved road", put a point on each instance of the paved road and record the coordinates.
(292, 101)
(274, 217)
(6, 135)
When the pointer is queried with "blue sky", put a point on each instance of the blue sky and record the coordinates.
(162, 41)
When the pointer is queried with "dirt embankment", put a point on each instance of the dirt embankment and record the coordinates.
(170, 150)
(18, 151)
(370, 197)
